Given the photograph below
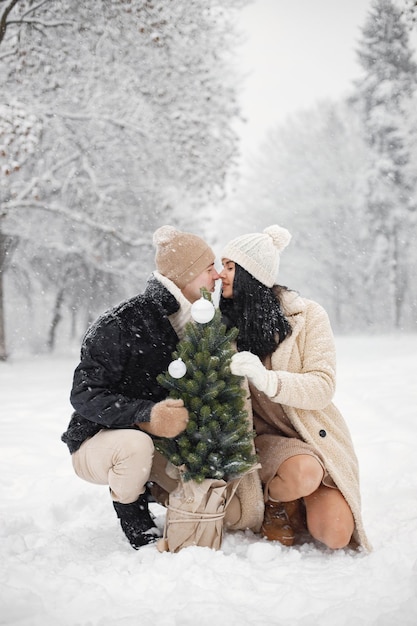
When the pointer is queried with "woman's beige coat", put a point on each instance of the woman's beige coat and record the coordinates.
(305, 364)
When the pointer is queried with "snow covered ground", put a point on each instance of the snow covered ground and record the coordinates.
(65, 562)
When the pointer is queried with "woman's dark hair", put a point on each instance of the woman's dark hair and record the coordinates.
(256, 312)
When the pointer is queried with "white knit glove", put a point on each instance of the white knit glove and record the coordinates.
(248, 364)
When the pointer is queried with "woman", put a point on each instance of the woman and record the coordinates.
(286, 350)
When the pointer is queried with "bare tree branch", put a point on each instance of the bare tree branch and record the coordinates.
(74, 217)
(35, 22)
(62, 163)
(36, 7)
(5, 23)
(102, 118)
(3, 18)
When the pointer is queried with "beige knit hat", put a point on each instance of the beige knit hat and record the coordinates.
(259, 253)
(180, 256)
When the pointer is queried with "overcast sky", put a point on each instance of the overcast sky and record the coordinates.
(297, 52)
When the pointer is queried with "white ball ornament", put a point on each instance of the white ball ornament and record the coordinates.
(177, 368)
(202, 311)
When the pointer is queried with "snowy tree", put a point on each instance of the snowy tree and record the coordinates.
(383, 95)
(342, 178)
(136, 101)
(410, 12)
(308, 177)
(19, 137)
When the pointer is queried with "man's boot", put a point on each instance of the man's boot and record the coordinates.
(136, 522)
(157, 494)
(282, 520)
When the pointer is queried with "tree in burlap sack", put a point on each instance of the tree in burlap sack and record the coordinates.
(216, 449)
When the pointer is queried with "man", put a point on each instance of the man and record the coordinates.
(118, 403)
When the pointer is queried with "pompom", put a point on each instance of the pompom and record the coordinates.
(164, 235)
(280, 236)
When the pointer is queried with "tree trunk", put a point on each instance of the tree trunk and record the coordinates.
(5, 253)
(55, 320)
(3, 353)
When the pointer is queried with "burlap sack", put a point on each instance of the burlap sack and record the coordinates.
(195, 513)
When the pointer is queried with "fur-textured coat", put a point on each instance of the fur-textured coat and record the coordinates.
(306, 366)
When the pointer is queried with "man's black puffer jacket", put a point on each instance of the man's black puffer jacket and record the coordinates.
(122, 353)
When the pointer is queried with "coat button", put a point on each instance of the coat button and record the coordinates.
(322, 433)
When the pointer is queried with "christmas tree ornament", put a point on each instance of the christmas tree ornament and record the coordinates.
(177, 368)
(202, 311)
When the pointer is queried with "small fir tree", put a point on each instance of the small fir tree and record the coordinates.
(217, 442)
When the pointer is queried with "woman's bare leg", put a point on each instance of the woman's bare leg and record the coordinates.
(329, 518)
(296, 477)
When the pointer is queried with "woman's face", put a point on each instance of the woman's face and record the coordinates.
(227, 275)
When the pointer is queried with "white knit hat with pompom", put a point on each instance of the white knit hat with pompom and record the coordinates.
(180, 256)
(259, 253)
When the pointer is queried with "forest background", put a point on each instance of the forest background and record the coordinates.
(120, 116)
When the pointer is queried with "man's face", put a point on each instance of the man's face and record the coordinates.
(206, 279)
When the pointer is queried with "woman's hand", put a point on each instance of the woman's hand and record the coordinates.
(248, 364)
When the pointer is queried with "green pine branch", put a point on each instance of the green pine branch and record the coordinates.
(217, 442)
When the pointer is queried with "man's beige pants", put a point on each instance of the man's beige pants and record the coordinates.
(124, 459)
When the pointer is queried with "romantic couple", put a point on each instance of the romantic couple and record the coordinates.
(308, 482)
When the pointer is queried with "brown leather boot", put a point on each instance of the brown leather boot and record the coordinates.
(281, 521)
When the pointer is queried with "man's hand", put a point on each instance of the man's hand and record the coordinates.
(248, 364)
(168, 419)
